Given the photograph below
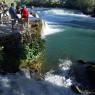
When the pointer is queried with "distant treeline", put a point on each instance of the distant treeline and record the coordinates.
(86, 6)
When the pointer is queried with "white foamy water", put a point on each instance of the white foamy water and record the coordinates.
(65, 12)
(56, 82)
(56, 11)
(61, 17)
(48, 30)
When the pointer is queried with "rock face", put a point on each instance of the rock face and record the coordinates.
(19, 49)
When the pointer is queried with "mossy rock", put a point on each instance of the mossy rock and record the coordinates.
(33, 64)
(35, 25)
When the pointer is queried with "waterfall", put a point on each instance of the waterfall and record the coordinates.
(48, 29)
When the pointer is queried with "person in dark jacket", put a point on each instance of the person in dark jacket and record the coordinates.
(13, 14)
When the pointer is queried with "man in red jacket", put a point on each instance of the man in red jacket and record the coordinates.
(25, 14)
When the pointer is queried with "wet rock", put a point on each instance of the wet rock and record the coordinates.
(90, 63)
(84, 72)
(91, 76)
(81, 61)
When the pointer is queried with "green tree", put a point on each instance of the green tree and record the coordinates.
(84, 5)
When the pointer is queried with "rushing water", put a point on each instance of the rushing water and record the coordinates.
(68, 34)
(54, 83)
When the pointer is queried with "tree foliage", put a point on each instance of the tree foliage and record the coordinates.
(84, 5)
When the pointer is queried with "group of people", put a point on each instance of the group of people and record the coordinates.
(14, 11)
(23, 11)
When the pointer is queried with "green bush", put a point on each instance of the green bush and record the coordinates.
(87, 6)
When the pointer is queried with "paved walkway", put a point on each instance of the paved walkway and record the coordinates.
(7, 28)
(6, 32)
